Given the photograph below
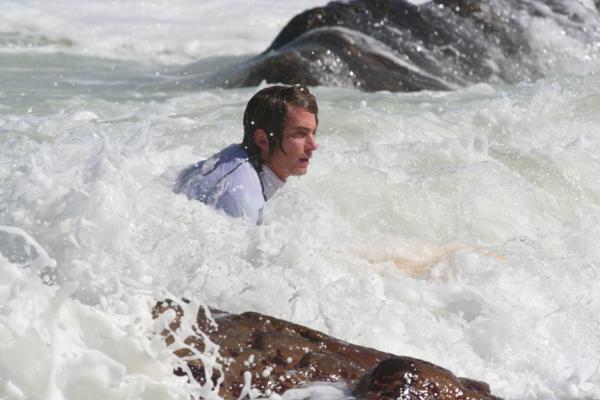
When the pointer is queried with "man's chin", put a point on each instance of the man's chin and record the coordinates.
(299, 171)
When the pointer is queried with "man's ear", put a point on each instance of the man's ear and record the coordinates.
(261, 140)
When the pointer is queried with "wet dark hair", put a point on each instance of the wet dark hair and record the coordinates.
(267, 110)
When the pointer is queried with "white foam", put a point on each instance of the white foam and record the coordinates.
(165, 32)
(458, 227)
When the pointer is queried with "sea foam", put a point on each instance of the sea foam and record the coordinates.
(458, 227)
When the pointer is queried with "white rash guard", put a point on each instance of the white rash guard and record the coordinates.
(228, 182)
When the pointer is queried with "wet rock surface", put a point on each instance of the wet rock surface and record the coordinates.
(277, 355)
(397, 46)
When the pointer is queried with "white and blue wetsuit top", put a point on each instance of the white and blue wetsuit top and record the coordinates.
(228, 182)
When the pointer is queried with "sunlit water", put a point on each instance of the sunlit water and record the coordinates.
(461, 227)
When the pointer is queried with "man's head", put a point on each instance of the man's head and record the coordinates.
(280, 123)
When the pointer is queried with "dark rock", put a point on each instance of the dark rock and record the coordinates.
(407, 378)
(280, 355)
(397, 46)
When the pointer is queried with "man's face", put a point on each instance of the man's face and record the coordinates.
(298, 142)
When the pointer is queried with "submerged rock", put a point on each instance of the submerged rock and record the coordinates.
(278, 355)
(397, 46)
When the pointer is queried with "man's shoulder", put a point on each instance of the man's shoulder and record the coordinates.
(227, 181)
(232, 154)
(231, 163)
(228, 167)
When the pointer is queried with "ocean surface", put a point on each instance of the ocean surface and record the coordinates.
(458, 227)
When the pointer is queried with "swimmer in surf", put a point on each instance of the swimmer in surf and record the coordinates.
(280, 124)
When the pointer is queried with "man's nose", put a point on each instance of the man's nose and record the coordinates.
(312, 143)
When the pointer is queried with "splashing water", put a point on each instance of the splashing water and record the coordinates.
(457, 227)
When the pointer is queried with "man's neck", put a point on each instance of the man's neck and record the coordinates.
(270, 181)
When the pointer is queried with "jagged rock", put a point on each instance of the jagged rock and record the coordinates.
(398, 46)
(280, 355)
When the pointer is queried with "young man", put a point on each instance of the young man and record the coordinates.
(280, 124)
